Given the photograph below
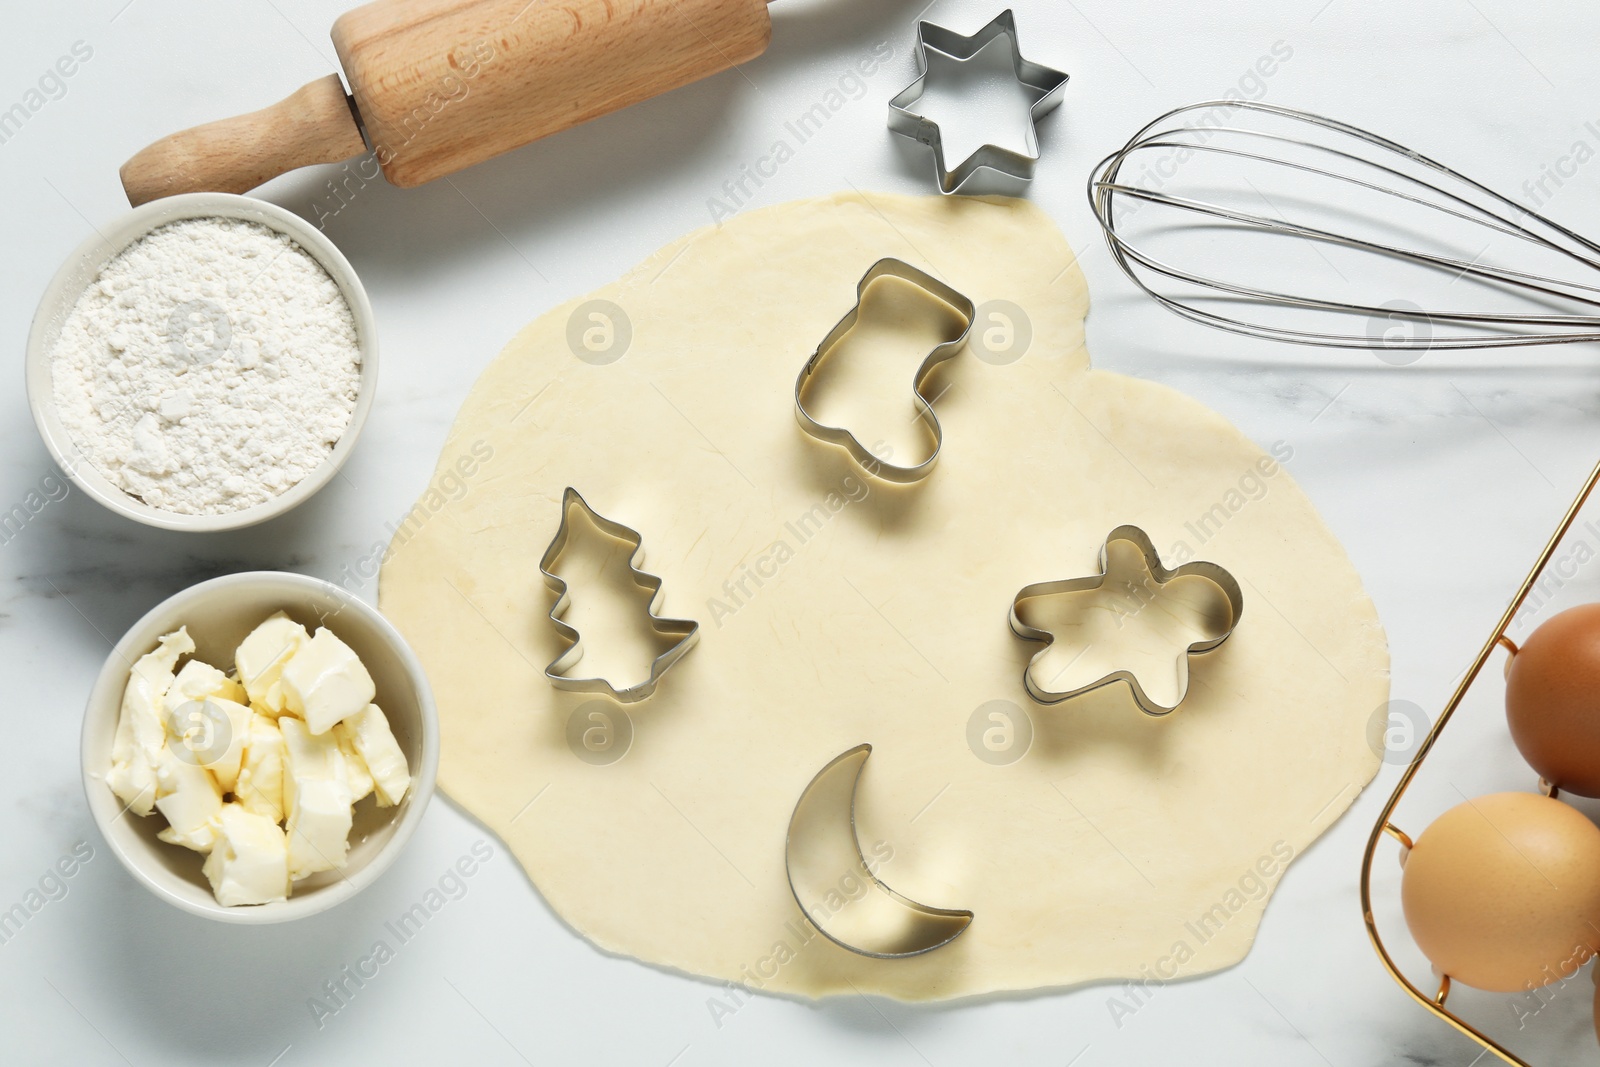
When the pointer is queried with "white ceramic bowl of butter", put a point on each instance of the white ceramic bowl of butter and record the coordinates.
(219, 614)
(79, 272)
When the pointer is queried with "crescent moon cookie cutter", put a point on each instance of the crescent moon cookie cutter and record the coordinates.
(684, 632)
(835, 887)
(947, 350)
(1046, 83)
(1228, 596)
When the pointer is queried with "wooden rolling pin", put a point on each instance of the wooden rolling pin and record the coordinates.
(438, 85)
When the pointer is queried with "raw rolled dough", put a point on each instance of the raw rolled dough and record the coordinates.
(837, 610)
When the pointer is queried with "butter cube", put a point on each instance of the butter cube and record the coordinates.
(205, 728)
(196, 681)
(316, 799)
(319, 825)
(140, 740)
(324, 682)
(191, 801)
(249, 864)
(230, 731)
(261, 656)
(356, 775)
(260, 785)
(308, 756)
(157, 667)
(369, 734)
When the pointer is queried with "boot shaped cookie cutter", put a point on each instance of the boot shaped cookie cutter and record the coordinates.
(1046, 82)
(1227, 587)
(838, 435)
(683, 631)
(836, 888)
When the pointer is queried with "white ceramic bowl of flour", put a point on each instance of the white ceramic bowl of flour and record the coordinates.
(81, 271)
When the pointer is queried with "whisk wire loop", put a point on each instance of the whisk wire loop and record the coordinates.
(1444, 195)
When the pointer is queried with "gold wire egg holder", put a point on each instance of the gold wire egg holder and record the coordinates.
(1435, 1002)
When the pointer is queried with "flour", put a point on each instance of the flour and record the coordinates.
(209, 367)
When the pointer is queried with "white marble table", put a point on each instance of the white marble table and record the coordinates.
(1441, 478)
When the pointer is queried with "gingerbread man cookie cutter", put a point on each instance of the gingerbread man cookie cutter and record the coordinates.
(1227, 588)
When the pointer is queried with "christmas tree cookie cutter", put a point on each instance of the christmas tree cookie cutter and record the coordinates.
(835, 887)
(1045, 82)
(1227, 590)
(838, 435)
(683, 632)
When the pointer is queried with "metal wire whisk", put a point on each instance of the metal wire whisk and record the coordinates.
(1371, 177)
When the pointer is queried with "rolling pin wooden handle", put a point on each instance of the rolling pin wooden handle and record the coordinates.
(315, 124)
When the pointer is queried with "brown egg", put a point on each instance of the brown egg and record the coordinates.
(1553, 700)
(1504, 891)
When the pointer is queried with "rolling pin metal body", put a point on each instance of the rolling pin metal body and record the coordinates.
(438, 85)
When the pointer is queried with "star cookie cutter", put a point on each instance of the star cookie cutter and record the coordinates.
(850, 906)
(1047, 82)
(838, 435)
(685, 631)
(1226, 586)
